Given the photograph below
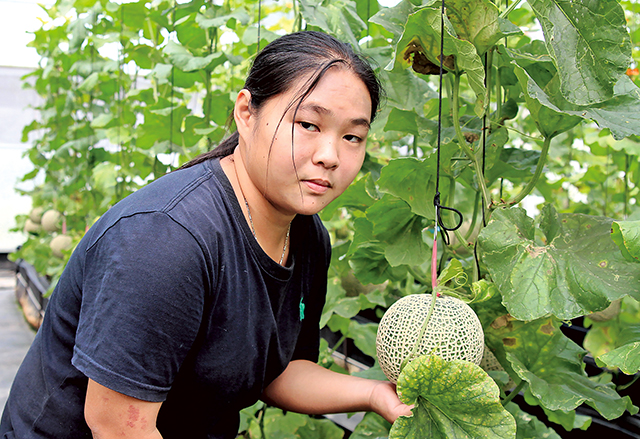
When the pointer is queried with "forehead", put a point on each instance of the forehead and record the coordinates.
(339, 90)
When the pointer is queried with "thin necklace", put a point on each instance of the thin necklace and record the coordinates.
(253, 229)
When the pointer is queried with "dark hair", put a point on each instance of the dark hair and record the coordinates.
(285, 60)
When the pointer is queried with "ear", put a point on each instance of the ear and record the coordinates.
(242, 113)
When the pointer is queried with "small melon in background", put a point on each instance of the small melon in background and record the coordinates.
(454, 332)
(31, 226)
(51, 220)
(59, 244)
(36, 214)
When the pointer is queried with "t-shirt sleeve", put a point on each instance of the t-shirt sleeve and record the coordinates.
(145, 283)
(308, 345)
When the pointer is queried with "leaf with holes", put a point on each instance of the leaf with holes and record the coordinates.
(451, 399)
(576, 270)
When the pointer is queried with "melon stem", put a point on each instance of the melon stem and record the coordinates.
(423, 329)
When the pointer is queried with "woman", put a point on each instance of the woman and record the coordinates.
(202, 292)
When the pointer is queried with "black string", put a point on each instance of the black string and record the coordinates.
(436, 199)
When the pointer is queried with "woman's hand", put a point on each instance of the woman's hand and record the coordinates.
(307, 387)
(385, 402)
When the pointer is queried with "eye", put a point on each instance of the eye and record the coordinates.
(352, 138)
(309, 126)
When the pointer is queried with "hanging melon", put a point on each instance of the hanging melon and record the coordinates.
(31, 227)
(51, 220)
(36, 214)
(59, 244)
(452, 332)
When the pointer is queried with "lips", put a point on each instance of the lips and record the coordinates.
(318, 185)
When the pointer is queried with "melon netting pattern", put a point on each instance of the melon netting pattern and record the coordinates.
(454, 332)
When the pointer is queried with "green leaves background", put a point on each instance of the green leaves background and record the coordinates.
(561, 122)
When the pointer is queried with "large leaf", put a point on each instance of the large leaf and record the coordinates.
(400, 231)
(478, 22)
(589, 43)
(616, 342)
(338, 17)
(621, 113)
(530, 427)
(626, 234)
(452, 399)
(577, 270)
(413, 181)
(187, 62)
(550, 122)
(367, 256)
(552, 365)
(420, 43)
(372, 426)
(626, 357)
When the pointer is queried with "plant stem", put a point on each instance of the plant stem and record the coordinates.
(423, 329)
(513, 393)
(510, 9)
(626, 186)
(337, 345)
(536, 175)
(463, 143)
(474, 218)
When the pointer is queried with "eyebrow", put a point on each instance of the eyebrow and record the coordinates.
(325, 111)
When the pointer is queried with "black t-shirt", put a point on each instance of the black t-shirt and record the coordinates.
(169, 297)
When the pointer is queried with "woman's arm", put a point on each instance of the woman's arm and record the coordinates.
(306, 387)
(110, 414)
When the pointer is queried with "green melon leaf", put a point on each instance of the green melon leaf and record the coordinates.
(187, 62)
(423, 29)
(575, 271)
(529, 426)
(372, 426)
(453, 399)
(399, 230)
(367, 256)
(552, 365)
(621, 113)
(477, 21)
(413, 181)
(339, 17)
(549, 121)
(319, 429)
(626, 357)
(626, 235)
(589, 43)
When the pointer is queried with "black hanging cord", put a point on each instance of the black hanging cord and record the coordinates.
(436, 199)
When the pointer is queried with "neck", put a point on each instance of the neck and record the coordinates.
(269, 227)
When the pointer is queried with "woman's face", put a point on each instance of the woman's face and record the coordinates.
(330, 127)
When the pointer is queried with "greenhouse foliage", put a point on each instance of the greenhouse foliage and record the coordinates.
(539, 98)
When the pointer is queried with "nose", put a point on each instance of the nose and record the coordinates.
(326, 154)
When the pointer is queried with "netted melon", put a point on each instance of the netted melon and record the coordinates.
(453, 332)
(31, 227)
(59, 244)
(36, 214)
(51, 220)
